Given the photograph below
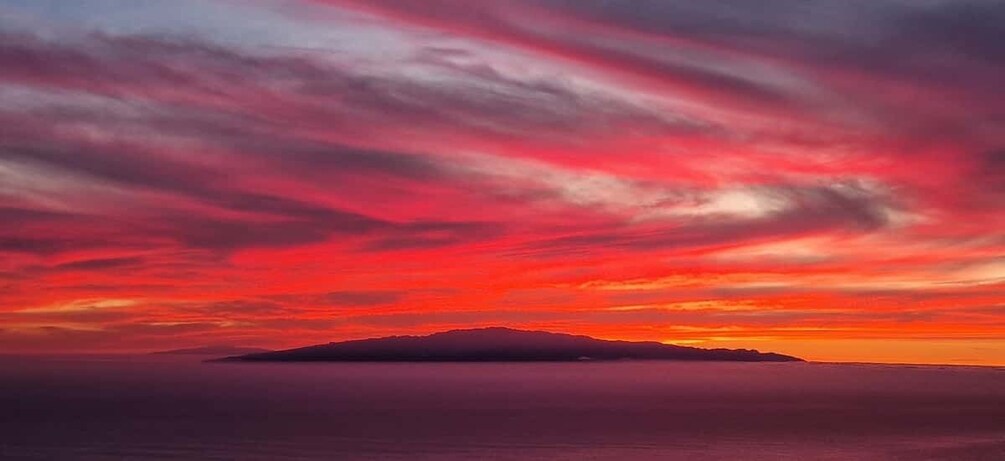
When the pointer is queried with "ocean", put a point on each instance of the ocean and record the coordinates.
(177, 407)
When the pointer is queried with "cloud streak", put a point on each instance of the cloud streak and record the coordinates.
(721, 173)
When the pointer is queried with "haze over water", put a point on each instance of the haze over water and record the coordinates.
(178, 407)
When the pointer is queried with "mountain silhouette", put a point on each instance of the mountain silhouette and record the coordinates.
(217, 350)
(498, 344)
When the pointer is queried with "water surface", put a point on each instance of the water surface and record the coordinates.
(179, 408)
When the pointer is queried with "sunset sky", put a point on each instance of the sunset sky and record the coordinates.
(824, 179)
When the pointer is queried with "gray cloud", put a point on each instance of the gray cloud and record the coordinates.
(815, 209)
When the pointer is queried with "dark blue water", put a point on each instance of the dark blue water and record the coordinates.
(179, 408)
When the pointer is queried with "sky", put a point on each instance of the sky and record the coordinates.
(822, 179)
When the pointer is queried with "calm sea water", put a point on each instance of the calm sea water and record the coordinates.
(180, 408)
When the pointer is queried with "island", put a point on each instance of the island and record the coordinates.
(499, 344)
(217, 350)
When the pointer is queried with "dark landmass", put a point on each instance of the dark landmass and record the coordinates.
(502, 345)
(220, 351)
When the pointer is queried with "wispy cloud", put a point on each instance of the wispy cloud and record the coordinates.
(638, 169)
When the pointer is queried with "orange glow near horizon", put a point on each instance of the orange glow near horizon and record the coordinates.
(284, 173)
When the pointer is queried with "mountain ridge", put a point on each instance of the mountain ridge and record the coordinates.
(213, 349)
(502, 344)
